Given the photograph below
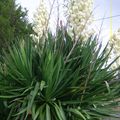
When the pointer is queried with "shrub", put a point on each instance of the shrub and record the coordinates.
(60, 81)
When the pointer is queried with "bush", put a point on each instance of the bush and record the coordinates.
(58, 81)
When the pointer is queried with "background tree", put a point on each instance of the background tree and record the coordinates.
(13, 22)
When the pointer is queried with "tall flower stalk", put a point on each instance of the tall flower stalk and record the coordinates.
(115, 43)
(41, 19)
(79, 16)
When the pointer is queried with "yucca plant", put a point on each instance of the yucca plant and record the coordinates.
(58, 81)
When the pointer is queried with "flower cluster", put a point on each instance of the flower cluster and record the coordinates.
(79, 15)
(115, 43)
(41, 19)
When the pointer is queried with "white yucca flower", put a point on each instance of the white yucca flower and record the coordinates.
(79, 16)
(115, 43)
(41, 19)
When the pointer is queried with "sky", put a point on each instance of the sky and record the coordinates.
(101, 9)
(31, 6)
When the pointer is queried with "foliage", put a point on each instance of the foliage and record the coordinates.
(57, 81)
(13, 22)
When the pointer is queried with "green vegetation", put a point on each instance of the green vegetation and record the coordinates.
(58, 81)
(13, 23)
(56, 77)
